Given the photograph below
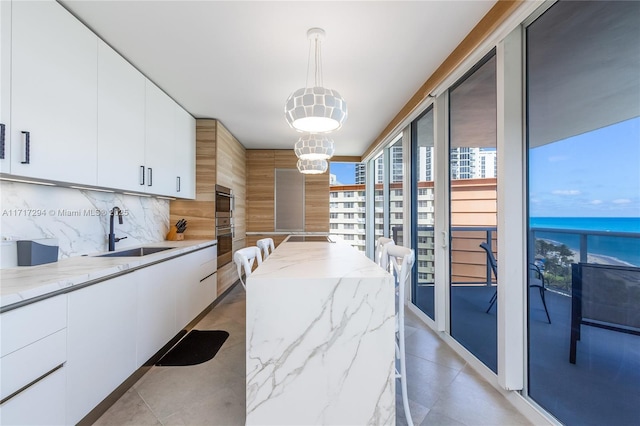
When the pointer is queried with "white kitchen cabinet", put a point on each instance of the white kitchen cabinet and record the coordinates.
(5, 87)
(41, 404)
(185, 153)
(33, 354)
(196, 287)
(101, 342)
(53, 94)
(156, 316)
(160, 151)
(121, 125)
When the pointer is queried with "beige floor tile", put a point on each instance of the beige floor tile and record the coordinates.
(130, 409)
(470, 400)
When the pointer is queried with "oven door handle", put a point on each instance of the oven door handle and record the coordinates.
(224, 231)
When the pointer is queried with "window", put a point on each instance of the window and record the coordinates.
(583, 151)
(347, 226)
(333, 194)
(333, 226)
(348, 215)
(333, 215)
(348, 194)
(347, 205)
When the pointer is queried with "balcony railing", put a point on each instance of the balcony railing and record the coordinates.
(554, 251)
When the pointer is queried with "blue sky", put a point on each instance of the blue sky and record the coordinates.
(596, 174)
(345, 172)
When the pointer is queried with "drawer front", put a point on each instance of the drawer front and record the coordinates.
(23, 326)
(41, 404)
(206, 269)
(22, 367)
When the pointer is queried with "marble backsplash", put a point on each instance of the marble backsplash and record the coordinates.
(79, 219)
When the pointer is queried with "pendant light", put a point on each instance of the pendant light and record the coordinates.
(315, 109)
(314, 146)
(312, 167)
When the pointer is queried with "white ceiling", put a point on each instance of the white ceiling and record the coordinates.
(238, 61)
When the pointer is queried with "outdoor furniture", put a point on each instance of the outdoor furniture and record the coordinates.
(604, 296)
(536, 281)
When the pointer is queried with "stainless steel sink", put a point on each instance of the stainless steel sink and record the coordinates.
(137, 252)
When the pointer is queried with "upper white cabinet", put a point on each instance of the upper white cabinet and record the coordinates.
(5, 86)
(159, 135)
(53, 94)
(185, 153)
(121, 122)
(75, 111)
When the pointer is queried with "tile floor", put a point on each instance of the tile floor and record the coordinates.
(443, 389)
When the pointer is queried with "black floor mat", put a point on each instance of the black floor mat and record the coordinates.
(195, 348)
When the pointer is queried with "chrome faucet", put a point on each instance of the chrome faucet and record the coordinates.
(112, 237)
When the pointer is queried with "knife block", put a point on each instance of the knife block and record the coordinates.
(173, 234)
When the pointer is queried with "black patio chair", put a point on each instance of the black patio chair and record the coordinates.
(539, 276)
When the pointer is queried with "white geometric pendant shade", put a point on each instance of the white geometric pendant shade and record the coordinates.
(315, 110)
(314, 146)
(312, 167)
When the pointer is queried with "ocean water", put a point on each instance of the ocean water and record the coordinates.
(625, 249)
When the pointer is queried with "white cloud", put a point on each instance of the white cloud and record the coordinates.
(566, 192)
(596, 202)
(621, 201)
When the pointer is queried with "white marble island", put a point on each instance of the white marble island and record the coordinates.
(320, 338)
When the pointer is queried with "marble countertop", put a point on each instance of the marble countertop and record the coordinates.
(318, 260)
(26, 282)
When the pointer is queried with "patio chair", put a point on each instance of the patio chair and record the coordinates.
(538, 280)
(603, 296)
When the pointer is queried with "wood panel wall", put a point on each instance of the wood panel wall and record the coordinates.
(261, 165)
(221, 159)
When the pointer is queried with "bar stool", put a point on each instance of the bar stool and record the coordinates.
(245, 258)
(267, 247)
(401, 260)
(381, 254)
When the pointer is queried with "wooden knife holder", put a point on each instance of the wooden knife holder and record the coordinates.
(173, 234)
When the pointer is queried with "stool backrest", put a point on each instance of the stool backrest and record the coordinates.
(402, 260)
(267, 247)
(381, 253)
(244, 258)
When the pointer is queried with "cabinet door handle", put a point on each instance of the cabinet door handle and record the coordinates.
(149, 176)
(141, 175)
(26, 147)
(2, 141)
(178, 184)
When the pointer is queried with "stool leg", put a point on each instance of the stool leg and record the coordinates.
(403, 367)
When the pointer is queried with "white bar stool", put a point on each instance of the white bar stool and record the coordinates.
(402, 260)
(245, 258)
(381, 253)
(267, 247)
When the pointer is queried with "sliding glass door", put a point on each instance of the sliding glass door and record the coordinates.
(583, 131)
(473, 210)
(423, 205)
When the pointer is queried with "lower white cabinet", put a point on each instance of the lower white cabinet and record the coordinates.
(33, 354)
(62, 356)
(101, 342)
(197, 287)
(40, 404)
(156, 316)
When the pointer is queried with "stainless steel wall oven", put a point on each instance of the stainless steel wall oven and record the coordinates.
(224, 224)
